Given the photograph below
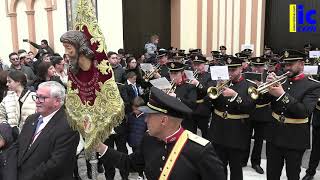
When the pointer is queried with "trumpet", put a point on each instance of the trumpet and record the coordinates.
(195, 75)
(214, 92)
(264, 88)
(149, 75)
(172, 87)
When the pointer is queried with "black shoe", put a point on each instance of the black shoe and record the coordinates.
(307, 177)
(258, 169)
(243, 164)
(77, 178)
(100, 168)
(89, 174)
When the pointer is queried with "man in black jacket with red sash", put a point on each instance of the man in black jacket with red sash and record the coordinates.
(168, 151)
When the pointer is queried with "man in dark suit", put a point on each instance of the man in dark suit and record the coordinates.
(47, 145)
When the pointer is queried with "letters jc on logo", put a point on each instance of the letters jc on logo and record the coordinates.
(301, 20)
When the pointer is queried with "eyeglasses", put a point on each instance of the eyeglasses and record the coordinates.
(41, 99)
(14, 59)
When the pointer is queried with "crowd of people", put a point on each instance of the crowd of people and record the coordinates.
(33, 88)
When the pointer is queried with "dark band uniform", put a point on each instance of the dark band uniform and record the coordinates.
(187, 94)
(229, 129)
(163, 69)
(291, 129)
(261, 120)
(202, 112)
(315, 153)
(197, 159)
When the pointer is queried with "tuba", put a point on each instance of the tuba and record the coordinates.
(264, 88)
(215, 91)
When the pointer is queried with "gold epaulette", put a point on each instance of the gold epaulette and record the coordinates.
(310, 78)
(197, 139)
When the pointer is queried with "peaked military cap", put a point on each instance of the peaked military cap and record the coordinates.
(160, 102)
(222, 48)
(195, 51)
(290, 55)
(198, 58)
(162, 52)
(175, 66)
(258, 61)
(232, 61)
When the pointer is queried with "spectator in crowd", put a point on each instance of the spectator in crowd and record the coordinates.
(3, 66)
(136, 126)
(119, 72)
(16, 66)
(151, 49)
(17, 105)
(47, 144)
(26, 60)
(44, 58)
(46, 72)
(133, 90)
(141, 59)
(122, 58)
(58, 63)
(43, 48)
(31, 56)
(132, 66)
(8, 170)
(3, 84)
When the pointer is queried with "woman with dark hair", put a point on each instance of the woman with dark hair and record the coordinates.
(17, 105)
(132, 65)
(3, 84)
(46, 72)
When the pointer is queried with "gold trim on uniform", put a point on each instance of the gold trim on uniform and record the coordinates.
(262, 105)
(286, 120)
(226, 115)
(200, 101)
(156, 108)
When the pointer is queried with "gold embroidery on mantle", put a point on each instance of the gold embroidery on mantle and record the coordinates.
(104, 68)
(95, 122)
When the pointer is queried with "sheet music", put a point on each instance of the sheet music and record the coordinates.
(310, 70)
(189, 74)
(219, 72)
(146, 67)
(161, 83)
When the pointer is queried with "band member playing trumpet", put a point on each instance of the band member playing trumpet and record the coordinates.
(260, 119)
(291, 103)
(203, 108)
(186, 92)
(230, 130)
(163, 60)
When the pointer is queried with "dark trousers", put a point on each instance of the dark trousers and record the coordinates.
(76, 168)
(259, 129)
(202, 124)
(315, 152)
(134, 149)
(231, 157)
(276, 156)
(120, 141)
